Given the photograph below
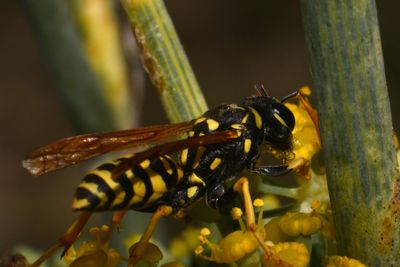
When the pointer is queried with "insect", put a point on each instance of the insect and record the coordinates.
(219, 145)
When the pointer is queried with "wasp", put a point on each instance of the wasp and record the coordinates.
(220, 144)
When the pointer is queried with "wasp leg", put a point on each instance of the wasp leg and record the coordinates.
(276, 170)
(217, 196)
(139, 248)
(66, 239)
(242, 186)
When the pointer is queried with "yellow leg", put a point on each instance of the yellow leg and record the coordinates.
(242, 186)
(66, 240)
(137, 252)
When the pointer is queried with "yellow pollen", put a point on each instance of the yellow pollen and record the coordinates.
(205, 231)
(247, 145)
(236, 213)
(258, 202)
(191, 133)
(199, 250)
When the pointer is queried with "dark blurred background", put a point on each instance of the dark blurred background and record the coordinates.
(230, 44)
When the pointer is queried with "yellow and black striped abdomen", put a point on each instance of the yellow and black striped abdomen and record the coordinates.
(138, 188)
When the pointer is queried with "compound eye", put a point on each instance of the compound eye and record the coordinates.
(283, 115)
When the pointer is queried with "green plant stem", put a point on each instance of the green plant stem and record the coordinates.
(356, 127)
(75, 80)
(98, 27)
(165, 59)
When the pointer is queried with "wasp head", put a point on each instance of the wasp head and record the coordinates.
(278, 120)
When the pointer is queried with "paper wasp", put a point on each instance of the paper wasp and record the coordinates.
(219, 145)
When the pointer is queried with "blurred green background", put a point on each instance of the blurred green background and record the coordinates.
(231, 46)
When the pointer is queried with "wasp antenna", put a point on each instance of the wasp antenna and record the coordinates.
(290, 96)
(260, 89)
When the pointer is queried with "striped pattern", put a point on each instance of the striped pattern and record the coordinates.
(138, 188)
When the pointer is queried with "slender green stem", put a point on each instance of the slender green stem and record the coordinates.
(165, 59)
(356, 127)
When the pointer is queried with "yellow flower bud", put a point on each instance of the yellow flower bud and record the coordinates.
(236, 213)
(305, 90)
(274, 233)
(173, 264)
(295, 254)
(295, 224)
(205, 231)
(198, 250)
(258, 202)
(338, 261)
(151, 255)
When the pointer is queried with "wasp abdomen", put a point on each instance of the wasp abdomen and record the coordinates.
(138, 188)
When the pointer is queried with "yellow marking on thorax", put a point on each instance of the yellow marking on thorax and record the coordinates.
(257, 117)
(167, 166)
(194, 179)
(199, 120)
(184, 156)
(212, 124)
(237, 126)
(191, 191)
(247, 145)
(215, 163)
(145, 164)
(244, 120)
(191, 133)
(180, 174)
(129, 174)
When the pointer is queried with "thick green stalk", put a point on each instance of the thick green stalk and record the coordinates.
(78, 85)
(356, 127)
(165, 59)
